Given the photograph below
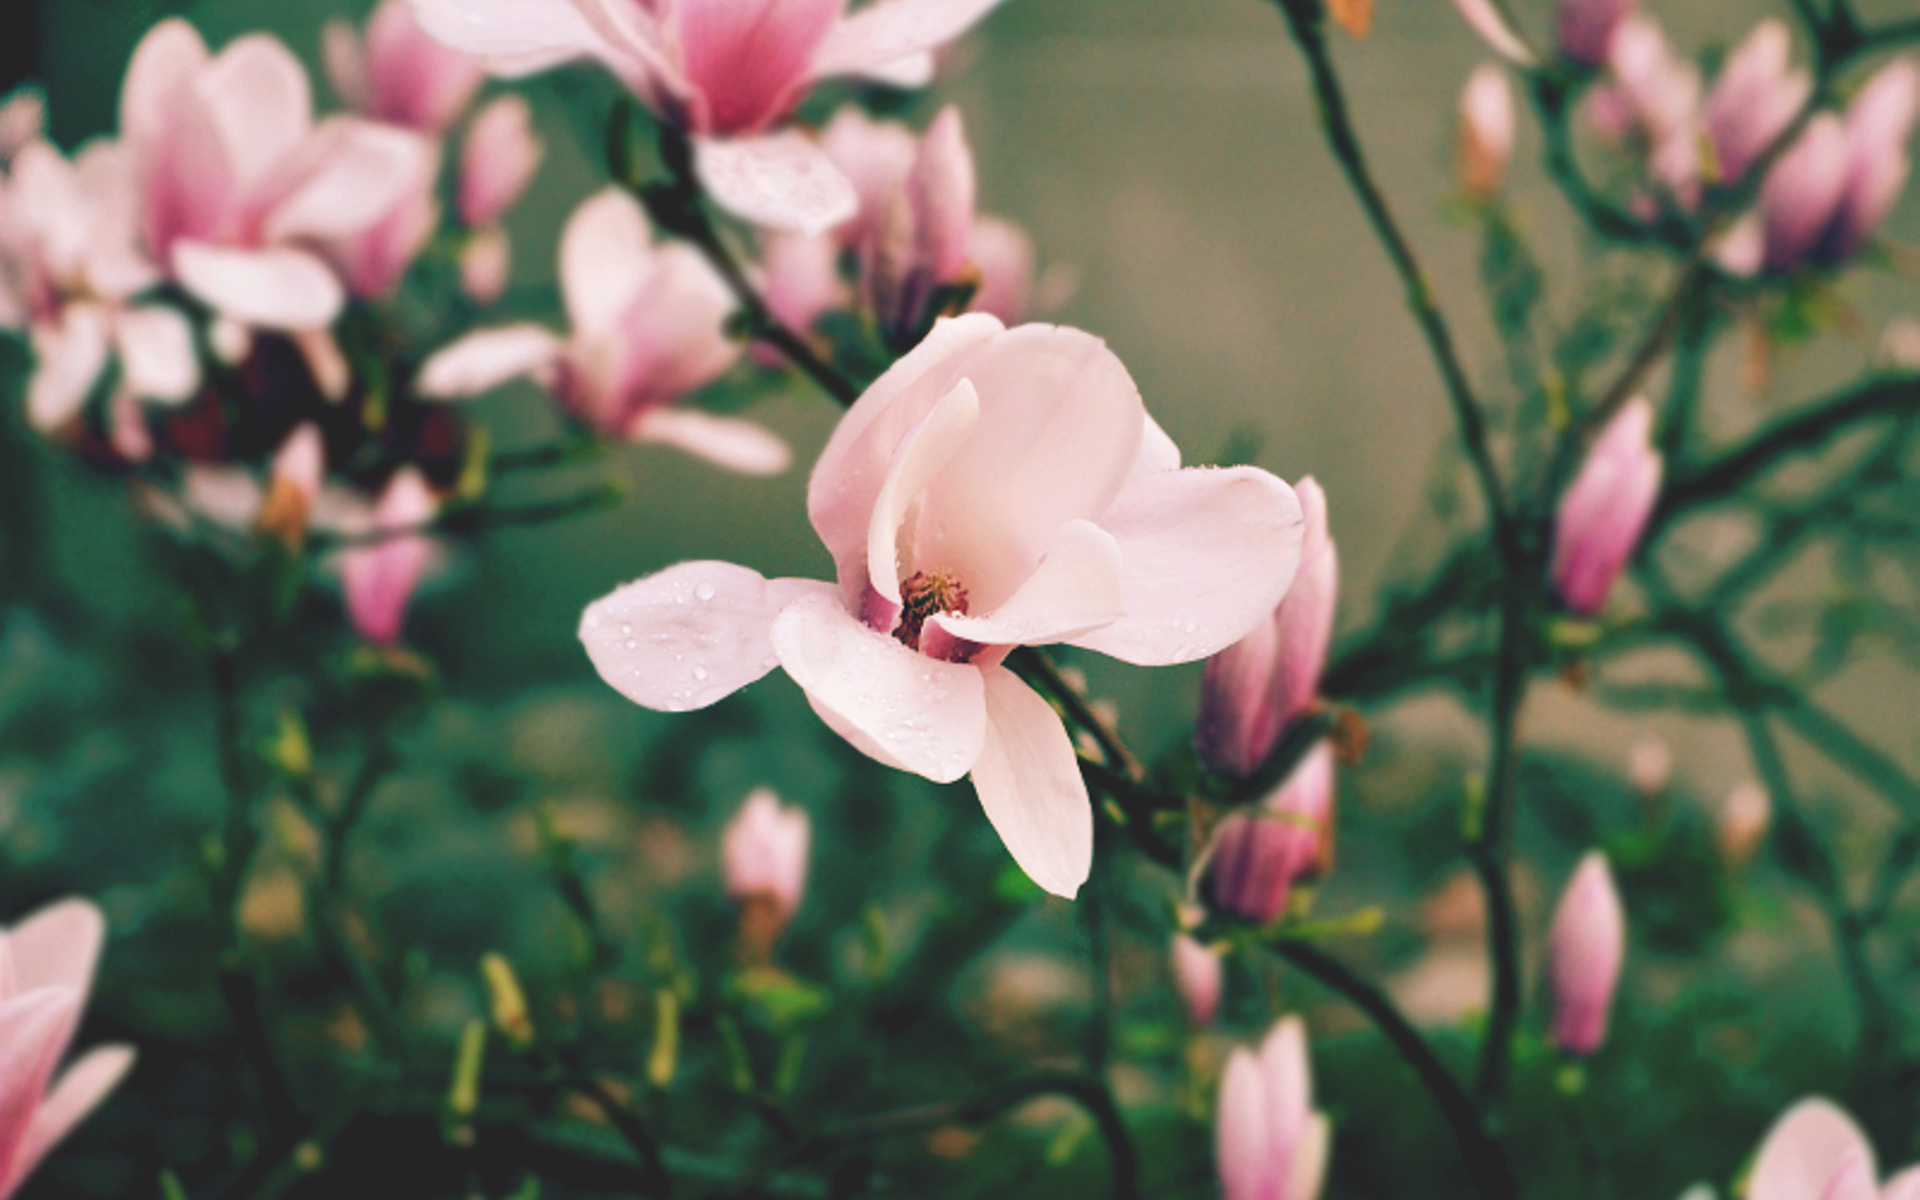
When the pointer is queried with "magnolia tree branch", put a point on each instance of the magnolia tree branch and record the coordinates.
(1304, 19)
(678, 206)
(1492, 1177)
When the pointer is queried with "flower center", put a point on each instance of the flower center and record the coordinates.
(921, 596)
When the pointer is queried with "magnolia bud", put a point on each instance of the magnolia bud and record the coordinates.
(1254, 688)
(1584, 955)
(1586, 28)
(1259, 854)
(498, 161)
(1650, 767)
(763, 858)
(1197, 976)
(1269, 1141)
(1742, 826)
(1486, 130)
(1605, 509)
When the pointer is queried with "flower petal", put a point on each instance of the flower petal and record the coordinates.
(485, 359)
(1244, 1143)
(1060, 430)
(847, 478)
(927, 448)
(156, 354)
(1205, 554)
(747, 60)
(34, 1029)
(520, 31)
(379, 578)
(1802, 1151)
(58, 946)
(78, 1091)
(878, 37)
(275, 288)
(69, 358)
(1075, 590)
(255, 94)
(781, 181)
(894, 704)
(606, 257)
(688, 636)
(164, 63)
(1028, 778)
(1490, 22)
(744, 446)
(365, 170)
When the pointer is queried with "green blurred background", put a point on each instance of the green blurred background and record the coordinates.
(1166, 153)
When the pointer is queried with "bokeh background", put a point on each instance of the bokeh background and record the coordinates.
(1165, 154)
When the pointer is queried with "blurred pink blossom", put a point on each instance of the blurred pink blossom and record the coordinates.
(1605, 509)
(1197, 976)
(373, 261)
(379, 576)
(1653, 95)
(69, 275)
(648, 329)
(1815, 1150)
(1259, 854)
(23, 120)
(995, 488)
(918, 240)
(763, 855)
(486, 265)
(1270, 1143)
(1486, 130)
(727, 72)
(1586, 27)
(398, 74)
(1254, 689)
(1742, 823)
(46, 971)
(234, 182)
(1585, 952)
(499, 159)
(1757, 95)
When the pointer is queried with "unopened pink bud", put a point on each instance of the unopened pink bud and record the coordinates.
(486, 265)
(380, 576)
(498, 160)
(763, 855)
(1259, 855)
(302, 461)
(1650, 767)
(1605, 509)
(1743, 822)
(1486, 130)
(1253, 689)
(1269, 1141)
(1197, 976)
(1755, 98)
(1585, 952)
(1586, 28)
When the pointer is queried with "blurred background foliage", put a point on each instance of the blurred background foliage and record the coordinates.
(1167, 154)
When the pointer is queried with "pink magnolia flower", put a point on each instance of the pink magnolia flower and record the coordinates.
(1815, 1150)
(1197, 976)
(373, 261)
(498, 161)
(1605, 509)
(917, 242)
(1584, 954)
(46, 970)
(70, 274)
(379, 576)
(1586, 28)
(1827, 194)
(1270, 1143)
(727, 72)
(1486, 130)
(763, 856)
(1254, 689)
(800, 282)
(1756, 97)
(1653, 95)
(1650, 767)
(397, 73)
(995, 488)
(1005, 267)
(1257, 856)
(648, 328)
(234, 182)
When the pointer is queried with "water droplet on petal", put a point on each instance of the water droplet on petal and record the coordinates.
(704, 591)
(700, 673)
